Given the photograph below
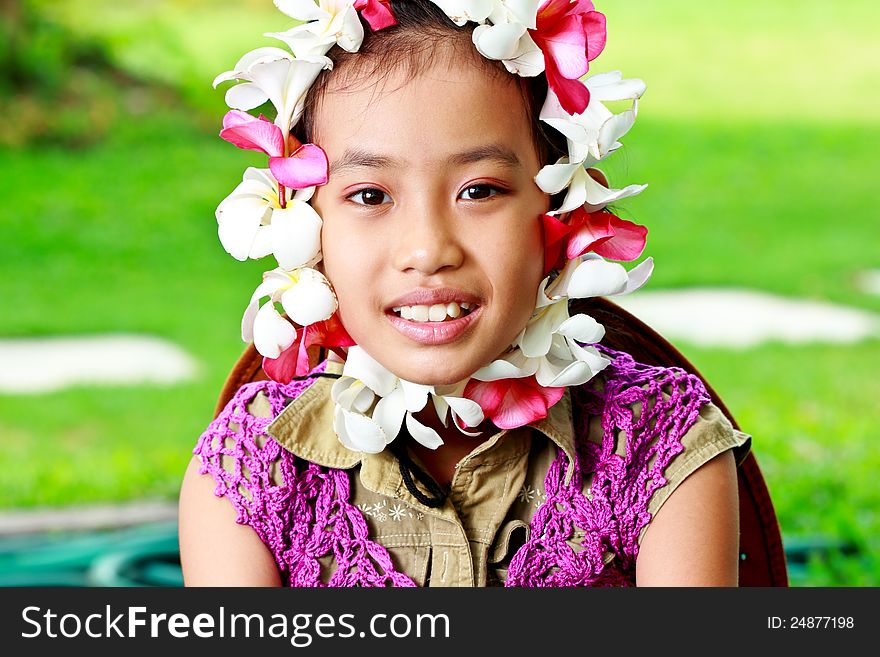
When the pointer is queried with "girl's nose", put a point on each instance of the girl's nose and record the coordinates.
(427, 242)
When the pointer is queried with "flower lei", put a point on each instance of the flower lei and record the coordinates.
(269, 213)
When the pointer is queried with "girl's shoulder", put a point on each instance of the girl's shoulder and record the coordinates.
(651, 426)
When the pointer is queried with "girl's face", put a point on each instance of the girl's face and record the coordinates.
(431, 204)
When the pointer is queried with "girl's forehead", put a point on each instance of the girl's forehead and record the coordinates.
(457, 98)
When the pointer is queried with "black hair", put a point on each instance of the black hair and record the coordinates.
(413, 44)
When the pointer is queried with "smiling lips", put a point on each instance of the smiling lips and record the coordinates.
(433, 317)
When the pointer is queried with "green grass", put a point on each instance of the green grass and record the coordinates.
(758, 139)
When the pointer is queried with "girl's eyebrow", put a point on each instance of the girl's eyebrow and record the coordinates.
(358, 158)
(496, 152)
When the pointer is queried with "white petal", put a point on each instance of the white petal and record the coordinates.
(543, 299)
(577, 192)
(247, 320)
(536, 338)
(264, 241)
(362, 434)
(597, 196)
(590, 356)
(272, 333)
(441, 408)
(265, 53)
(467, 409)
(560, 374)
(611, 86)
(360, 365)
(238, 220)
(462, 11)
(345, 391)
(528, 61)
(597, 278)
(582, 328)
(340, 385)
(271, 75)
(296, 234)
(639, 275)
(351, 33)
(612, 130)
(310, 299)
(300, 76)
(303, 40)
(553, 178)
(525, 11)
(422, 434)
(416, 395)
(303, 10)
(515, 366)
(245, 96)
(261, 182)
(389, 413)
(498, 41)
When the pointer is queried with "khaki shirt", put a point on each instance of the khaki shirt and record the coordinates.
(494, 493)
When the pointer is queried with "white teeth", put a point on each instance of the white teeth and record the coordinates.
(437, 312)
(420, 313)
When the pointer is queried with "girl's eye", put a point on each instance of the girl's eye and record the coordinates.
(479, 192)
(370, 196)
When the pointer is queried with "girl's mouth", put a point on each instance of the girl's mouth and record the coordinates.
(437, 324)
(438, 312)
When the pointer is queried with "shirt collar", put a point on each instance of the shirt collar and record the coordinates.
(305, 427)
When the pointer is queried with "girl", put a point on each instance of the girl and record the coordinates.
(433, 204)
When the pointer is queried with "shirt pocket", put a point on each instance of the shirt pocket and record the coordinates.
(510, 537)
(412, 561)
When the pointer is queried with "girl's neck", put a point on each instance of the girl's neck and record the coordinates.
(441, 462)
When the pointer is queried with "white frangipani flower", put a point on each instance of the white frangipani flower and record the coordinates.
(273, 74)
(590, 275)
(592, 137)
(372, 405)
(596, 132)
(551, 346)
(252, 224)
(306, 296)
(462, 11)
(505, 37)
(326, 23)
(583, 190)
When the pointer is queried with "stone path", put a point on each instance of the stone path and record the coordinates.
(732, 318)
(41, 365)
(86, 517)
(868, 281)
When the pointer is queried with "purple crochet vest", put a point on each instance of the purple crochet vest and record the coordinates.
(310, 516)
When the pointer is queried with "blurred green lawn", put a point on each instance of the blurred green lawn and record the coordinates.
(759, 138)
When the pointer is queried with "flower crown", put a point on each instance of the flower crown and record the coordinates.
(269, 213)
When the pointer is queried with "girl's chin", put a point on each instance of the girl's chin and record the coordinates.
(430, 369)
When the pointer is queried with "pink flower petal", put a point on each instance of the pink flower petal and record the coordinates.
(566, 46)
(294, 361)
(570, 35)
(573, 95)
(555, 233)
(594, 26)
(377, 13)
(305, 167)
(628, 242)
(243, 130)
(590, 229)
(512, 403)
